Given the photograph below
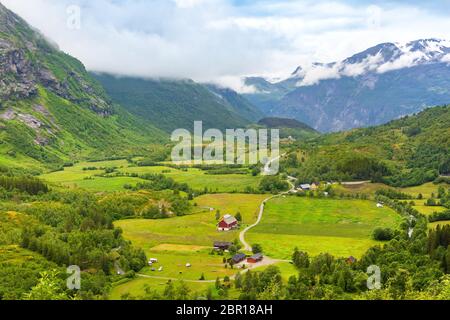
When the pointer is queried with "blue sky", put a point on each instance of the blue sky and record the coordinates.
(223, 40)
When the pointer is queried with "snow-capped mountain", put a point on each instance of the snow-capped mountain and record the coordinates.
(382, 58)
(369, 88)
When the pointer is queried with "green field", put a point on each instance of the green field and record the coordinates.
(427, 210)
(197, 179)
(178, 241)
(197, 229)
(426, 190)
(189, 239)
(339, 227)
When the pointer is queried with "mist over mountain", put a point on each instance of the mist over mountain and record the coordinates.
(171, 104)
(370, 88)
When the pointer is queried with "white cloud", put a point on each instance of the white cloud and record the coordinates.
(371, 63)
(235, 83)
(405, 61)
(188, 3)
(214, 40)
(315, 74)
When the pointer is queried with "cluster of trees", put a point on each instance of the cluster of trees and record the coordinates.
(393, 194)
(383, 234)
(413, 177)
(273, 184)
(27, 184)
(443, 199)
(159, 182)
(439, 216)
(438, 246)
(343, 166)
(444, 196)
(69, 228)
(265, 285)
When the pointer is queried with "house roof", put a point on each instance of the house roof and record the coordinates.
(239, 257)
(222, 244)
(257, 256)
(228, 219)
(305, 186)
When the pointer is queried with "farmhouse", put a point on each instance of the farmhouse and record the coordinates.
(255, 258)
(220, 245)
(305, 187)
(380, 205)
(227, 223)
(238, 258)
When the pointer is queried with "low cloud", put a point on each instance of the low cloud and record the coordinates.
(221, 41)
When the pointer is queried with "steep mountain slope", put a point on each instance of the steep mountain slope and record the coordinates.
(408, 151)
(173, 104)
(289, 128)
(238, 103)
(51, 110)
(370, 88)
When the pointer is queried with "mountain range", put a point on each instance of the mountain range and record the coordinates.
(172, 104)
(53, 111)
(373, 87)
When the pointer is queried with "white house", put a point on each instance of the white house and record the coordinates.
(305, 187)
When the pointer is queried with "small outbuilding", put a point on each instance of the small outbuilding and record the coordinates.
(222, 245)
(237, 258)
(305, 187)
(255, 258)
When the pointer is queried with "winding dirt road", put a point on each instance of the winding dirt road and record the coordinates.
(246, 246)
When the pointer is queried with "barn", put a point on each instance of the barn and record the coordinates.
(227, 223)
(255, 258)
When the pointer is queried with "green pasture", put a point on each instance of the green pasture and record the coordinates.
(339, 227)
(197, 179)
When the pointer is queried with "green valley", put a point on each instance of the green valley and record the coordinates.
(87, 182)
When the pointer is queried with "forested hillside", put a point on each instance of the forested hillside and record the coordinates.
(173, 104)
(51, 110)
(404, 152)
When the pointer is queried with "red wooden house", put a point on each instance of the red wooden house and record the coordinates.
(227, 223)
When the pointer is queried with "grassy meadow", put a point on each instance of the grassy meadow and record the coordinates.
(340, 227)
(189, 239)
(197, 179)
